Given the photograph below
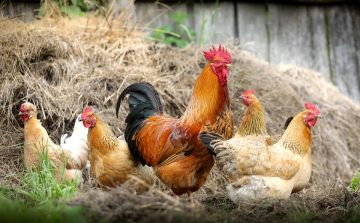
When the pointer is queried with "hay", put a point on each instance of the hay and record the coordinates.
(64, 65)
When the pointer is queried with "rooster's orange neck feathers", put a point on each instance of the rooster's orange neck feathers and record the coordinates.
(297, 136)
(209, 98)
(253, 122)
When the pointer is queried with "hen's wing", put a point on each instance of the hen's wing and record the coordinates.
(239, 157)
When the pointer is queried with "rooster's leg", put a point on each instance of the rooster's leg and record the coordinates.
(191, 200)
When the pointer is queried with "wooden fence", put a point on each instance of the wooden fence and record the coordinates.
(321, 37)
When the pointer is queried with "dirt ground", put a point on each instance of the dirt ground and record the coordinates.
(64, 65)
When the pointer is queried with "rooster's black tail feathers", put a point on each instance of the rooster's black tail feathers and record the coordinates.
(139, 93)
(144, 101)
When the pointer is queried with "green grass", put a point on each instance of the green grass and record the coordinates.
(41, 198)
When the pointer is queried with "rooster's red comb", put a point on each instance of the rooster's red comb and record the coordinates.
(221, 52)
(248, 92)
(312, 107)
(87, 110)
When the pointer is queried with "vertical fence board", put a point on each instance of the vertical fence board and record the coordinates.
(355, 14)
(252, 28)
(16, 8)
(223, 24)
(298, 36)
(343, 55)
(312, 52)
(282, 28)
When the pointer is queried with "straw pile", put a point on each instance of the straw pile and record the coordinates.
(64, 65)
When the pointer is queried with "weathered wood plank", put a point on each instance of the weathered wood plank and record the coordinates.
(282, 29)
(355, 14)
(223, 25)
(251, 19)
(16, 8)
(343, 56)
(312, 52)
(298, 36)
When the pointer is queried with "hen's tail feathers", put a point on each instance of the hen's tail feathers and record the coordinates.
(144, 101)
(210, 140)
(287, 123)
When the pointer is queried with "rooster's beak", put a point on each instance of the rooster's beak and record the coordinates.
(80, 119)
(21, 113)
(241, 97)
(228, 65)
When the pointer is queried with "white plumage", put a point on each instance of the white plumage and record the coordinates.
(77, 142)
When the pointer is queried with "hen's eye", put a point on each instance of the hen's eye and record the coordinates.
(309, 113)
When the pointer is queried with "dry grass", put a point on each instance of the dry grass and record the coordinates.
(64, 65)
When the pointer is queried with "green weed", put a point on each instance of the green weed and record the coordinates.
(179, 36)
(72, 8)
(354, 185)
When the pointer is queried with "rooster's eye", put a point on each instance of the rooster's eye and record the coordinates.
(309, 113)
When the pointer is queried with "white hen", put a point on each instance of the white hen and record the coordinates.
(77, 142)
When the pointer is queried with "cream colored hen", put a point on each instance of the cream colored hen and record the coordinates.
(37, 139)
(258, 171)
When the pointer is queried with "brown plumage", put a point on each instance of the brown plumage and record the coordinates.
(256, 170)
(37, 139)
(171, 145)
(111, 161)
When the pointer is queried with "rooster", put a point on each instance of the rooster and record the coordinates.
(78, 139)
(171, 145)
(37, 140)
(258, 171)
(253, 123)
(110, 158)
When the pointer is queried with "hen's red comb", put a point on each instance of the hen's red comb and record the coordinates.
(312, 107)
(85, 112)
(22, 108)
(221, 52)
(248, 92)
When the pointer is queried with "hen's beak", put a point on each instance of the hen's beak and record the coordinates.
(228, 65)
(21, 113)
(318, 116)
(80, 119)
(241, 97)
